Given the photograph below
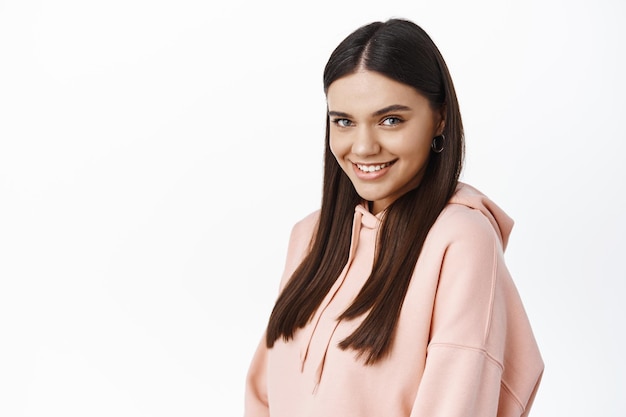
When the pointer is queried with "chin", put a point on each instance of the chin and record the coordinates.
(371, 197)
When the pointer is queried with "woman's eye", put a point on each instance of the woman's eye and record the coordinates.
(391, 121)
(342, 122)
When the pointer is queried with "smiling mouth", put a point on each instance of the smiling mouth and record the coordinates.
(373, 168)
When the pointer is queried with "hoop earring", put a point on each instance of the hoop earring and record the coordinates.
(438, 147)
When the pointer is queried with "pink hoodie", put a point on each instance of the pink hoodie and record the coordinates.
(463, 346)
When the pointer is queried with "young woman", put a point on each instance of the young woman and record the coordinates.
(395, 299)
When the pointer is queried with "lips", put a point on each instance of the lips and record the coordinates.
(373, 167)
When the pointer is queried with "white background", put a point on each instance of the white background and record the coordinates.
(155, 154)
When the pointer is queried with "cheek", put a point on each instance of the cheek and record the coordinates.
(420, 155)
(414, 153)
(339, 151)
(336, 148)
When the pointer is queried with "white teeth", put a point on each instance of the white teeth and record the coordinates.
(372, 168)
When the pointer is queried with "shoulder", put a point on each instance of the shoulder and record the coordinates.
(470, 214)
(304, 228)
(299, 244)
(462, 223)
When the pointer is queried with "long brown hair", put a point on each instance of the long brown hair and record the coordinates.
(402, 51)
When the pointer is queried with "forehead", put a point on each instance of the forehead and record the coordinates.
(368, 91)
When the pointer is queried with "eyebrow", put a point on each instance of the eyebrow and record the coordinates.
(384, 110)
(392, 108)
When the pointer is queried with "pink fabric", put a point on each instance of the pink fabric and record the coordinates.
(463, 346)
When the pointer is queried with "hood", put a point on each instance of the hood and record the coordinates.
(469, 196)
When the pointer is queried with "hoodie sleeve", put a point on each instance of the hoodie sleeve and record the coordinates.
(256, 401)
(472, 370)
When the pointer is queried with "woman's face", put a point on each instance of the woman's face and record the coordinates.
(380, 133)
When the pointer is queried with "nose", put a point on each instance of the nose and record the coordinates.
(365, 142)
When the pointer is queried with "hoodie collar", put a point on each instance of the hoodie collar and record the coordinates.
(368, 219)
